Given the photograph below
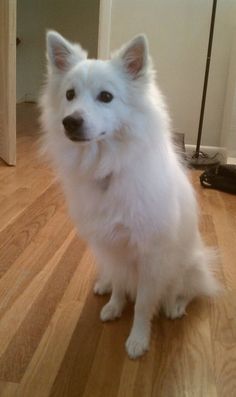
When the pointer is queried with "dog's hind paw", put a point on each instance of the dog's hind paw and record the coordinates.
(110, 312)
(102, 287)
(177, 310)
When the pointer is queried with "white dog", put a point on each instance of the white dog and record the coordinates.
(108, 133)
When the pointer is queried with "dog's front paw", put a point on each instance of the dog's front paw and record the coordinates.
(136, 345)
(110, 311)
(102, 288)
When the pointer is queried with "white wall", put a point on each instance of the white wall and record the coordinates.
(225, 25)
(228, 135)
(178, 32)
(76, 19)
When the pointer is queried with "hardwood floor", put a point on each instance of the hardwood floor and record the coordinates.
(52, 342)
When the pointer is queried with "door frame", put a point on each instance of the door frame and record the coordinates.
(8, 81)
(104, 29)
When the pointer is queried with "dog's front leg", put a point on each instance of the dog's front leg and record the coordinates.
(147, 301)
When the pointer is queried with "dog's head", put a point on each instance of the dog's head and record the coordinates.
(96, 98)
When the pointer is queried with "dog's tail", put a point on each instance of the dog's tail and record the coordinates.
(203, 278)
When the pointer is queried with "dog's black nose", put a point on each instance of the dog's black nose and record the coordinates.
(74, 128)
(72, 123)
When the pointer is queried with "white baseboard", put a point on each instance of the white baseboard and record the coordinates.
(231, 160)
(210, 150)
(27, 98)
(232, 153)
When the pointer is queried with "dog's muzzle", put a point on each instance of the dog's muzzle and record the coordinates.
(74, 128)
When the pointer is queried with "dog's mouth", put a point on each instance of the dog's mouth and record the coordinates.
(83, 139)
(76, 139)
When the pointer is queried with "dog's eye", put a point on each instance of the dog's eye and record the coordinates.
(70, 94)
(105, 97)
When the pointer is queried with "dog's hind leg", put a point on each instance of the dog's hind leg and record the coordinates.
(113, 309)
(102, 285)
(112, 266)
(175, 305)
(198, 280)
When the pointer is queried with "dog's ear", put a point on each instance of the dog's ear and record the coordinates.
(134, 56)
(62, 54)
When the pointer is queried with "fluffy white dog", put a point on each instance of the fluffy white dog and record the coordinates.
(107, 132)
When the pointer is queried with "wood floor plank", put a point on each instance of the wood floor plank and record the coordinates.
(9, 389)
(14, 317)
(108, 362)
(32, 260)
(15, 237)
(223, 335)
(184, 362)
(83, 279)
(44, 366)
(128, 378)
(20, 199)
(49, 197)
(22, 347)
(73, 374)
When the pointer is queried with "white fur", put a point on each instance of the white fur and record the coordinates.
(142, 224)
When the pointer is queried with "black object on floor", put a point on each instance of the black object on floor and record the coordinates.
(222, 177)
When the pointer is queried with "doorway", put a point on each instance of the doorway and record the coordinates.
(77, 20)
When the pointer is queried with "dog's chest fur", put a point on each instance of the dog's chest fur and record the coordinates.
(103, 184)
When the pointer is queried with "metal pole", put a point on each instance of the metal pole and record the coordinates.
(208, 60)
